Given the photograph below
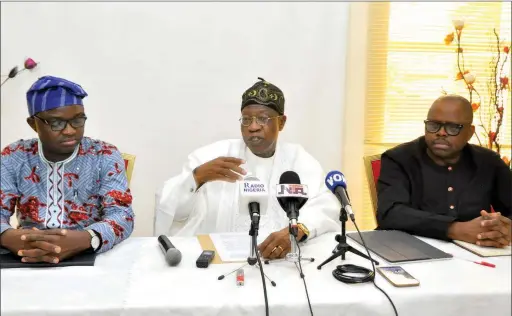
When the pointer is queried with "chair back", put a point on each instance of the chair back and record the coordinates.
(129, 162)
(372, 167)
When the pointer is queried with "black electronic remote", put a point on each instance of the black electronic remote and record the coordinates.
(205, 259)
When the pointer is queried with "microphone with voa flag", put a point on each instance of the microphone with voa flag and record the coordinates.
(172, 255)
(335, 181)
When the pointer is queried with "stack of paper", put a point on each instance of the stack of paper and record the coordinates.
(233, 247)
(484, 251)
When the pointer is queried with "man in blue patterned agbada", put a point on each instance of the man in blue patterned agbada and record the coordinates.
(69, 192)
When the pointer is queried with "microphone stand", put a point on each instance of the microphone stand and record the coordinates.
(293, 255)
(252, 260)
(342, 248)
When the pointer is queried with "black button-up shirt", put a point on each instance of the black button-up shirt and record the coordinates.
(443, 185)
(422, 198)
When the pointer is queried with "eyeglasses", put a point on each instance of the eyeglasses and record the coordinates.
(58, 125)
(260, 120)
(452, 129)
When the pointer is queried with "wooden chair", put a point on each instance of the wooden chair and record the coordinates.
(129, 162)
(372, 167)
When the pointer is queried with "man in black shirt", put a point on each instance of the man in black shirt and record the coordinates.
(440, 186)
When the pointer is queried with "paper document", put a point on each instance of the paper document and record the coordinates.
(484, 251)
(233, 247)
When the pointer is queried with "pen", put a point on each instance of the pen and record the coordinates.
(487, 264)
(483, 263)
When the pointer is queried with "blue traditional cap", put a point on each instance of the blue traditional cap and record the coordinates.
(49, 93)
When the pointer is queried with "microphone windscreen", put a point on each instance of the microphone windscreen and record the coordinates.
(253, 190)
(335, 179)
(289, 177)
(173, 257)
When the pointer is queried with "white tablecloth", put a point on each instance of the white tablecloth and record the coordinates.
(133, 279)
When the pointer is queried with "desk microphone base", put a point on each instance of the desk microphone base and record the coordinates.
(252, 260)
(343, 247)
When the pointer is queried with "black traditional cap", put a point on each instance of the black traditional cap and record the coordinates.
(264, 93)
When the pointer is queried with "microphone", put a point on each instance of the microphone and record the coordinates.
(291, 195)
(335, 181)
(254, 194)
(172, 255)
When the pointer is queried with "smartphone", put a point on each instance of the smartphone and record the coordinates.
(397, 276)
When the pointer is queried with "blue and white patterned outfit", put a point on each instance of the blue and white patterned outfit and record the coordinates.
(89, 190)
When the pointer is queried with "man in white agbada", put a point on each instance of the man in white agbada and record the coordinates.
(203, 199)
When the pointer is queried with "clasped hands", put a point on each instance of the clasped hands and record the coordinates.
(52, 245)
(489, 230)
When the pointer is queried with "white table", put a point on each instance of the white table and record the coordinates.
(133, 279)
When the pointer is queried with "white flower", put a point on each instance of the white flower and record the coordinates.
(458, 24)
(470, 78)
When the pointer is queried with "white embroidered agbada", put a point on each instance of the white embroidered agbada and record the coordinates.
(214, 207)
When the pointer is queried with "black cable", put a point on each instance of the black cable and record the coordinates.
(261, 272)
(340, 274)
(373, 266)
(302, 276)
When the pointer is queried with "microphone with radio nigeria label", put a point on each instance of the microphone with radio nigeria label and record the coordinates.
(291, 195)
(335, 181)
(172, 255)
(254, 194)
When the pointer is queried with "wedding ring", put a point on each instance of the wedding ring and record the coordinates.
(281, 248)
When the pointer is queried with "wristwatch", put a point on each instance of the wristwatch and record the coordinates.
(95, 240)
(304, 230)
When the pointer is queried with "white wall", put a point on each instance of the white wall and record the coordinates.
(355, 99)
(165, 78)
